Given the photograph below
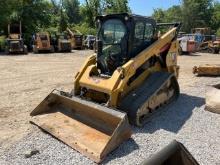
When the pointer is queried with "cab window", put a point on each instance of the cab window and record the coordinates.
(148, 34)
(139, 34)
(143, 34)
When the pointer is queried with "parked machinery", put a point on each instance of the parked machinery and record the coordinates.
(187, 44)
(42, 43)
(206, 42)
(214, 47)
(62, 43)
(89, 41)
(76, 39)
(132, 76)
(15, 42)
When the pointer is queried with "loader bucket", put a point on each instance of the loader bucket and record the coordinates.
(89, 128)
(173, 154)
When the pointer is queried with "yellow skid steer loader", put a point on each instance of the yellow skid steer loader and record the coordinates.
(133, 74)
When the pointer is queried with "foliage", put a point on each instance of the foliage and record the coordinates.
(196, 13)
(116, 6)
(159, 15)
(57, 15)
(72, 11)
(215, 20)
(192, 13)
(84, 28)
(93, 8)
(218, 32)
(2, 43)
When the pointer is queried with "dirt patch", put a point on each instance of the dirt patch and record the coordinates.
(25, 81)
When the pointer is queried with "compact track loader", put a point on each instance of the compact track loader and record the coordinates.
(42, 43)
(62, 43)
(132, 75)
(76, 39)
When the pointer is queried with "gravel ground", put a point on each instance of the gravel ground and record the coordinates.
(185, 120)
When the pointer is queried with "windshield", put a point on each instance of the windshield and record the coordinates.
(112, 31)
(91, 37)
(112, 34)
(43, 37)
(63, 37)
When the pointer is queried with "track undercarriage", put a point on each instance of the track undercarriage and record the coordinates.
(158, 90)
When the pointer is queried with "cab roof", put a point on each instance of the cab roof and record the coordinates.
(123, 15)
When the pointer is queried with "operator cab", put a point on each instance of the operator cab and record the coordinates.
(120, 38)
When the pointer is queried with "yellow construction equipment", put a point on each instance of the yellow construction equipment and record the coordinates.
(76, 39)
(214, 47)
(62, 42)
(42, 43)
(15, 41)
(203, 31)
(205, 41)
(133, 74)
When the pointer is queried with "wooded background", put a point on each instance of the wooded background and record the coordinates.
(53, 15)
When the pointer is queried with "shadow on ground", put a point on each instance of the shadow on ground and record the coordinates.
(12, 54)
(171, 119)
(191, 54)
(174, 116)
(124, 149)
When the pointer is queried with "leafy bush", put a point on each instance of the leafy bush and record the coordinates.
(84, 29)
(2, 43)
(218, 32)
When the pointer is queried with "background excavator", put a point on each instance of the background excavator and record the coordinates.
(132, 76)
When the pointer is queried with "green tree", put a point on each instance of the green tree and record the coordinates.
(218, 32)
(215, 21)
(196, 13)
(159, 15)
(72, 10)
(174, 14)
(8, 9)
(116, 6)
(192, 13)
(93, 8)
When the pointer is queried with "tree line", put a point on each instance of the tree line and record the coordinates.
(193, 14)
(52, 15)
(37, 15)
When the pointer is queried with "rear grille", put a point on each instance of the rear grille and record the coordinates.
(78, 43)
(65, 46)
(44, 45)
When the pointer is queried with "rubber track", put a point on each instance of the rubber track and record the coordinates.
(131, 103)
